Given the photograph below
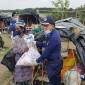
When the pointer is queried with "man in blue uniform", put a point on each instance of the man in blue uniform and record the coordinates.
(52, 52)
(15, 18)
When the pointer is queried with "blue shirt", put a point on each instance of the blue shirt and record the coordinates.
(12, 27)
(52, 46)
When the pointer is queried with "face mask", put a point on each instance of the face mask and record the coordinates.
(19, 32)
(47, 32)
(16, 19)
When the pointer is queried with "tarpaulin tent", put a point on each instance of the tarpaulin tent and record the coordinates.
(75, 32)
(5, 18)
(33, 16)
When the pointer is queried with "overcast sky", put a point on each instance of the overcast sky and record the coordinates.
(21, 4)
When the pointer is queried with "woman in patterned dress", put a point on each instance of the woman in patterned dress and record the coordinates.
(22, 74)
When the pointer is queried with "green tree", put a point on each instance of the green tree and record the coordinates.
(62, 6)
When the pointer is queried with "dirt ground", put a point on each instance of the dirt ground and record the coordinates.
(5, 75)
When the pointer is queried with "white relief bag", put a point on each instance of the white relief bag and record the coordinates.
(29, 58)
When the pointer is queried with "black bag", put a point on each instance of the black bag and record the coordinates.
(23, 83)
(9, 60)
(38, 82)
(40, 36)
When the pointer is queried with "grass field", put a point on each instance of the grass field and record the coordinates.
(5, 75)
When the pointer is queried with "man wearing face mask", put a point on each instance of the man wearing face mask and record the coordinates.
(17, 25)
(52, 52)
(15, 19)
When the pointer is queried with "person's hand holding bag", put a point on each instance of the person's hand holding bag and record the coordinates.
(29, 40)
(33, 42)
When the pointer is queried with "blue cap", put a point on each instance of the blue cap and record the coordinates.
(48, 20)
(15, 12)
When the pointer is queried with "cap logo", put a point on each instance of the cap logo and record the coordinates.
(45, 19)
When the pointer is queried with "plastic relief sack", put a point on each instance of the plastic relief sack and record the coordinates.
(29, 58)
(72, 77)
(29, 40)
